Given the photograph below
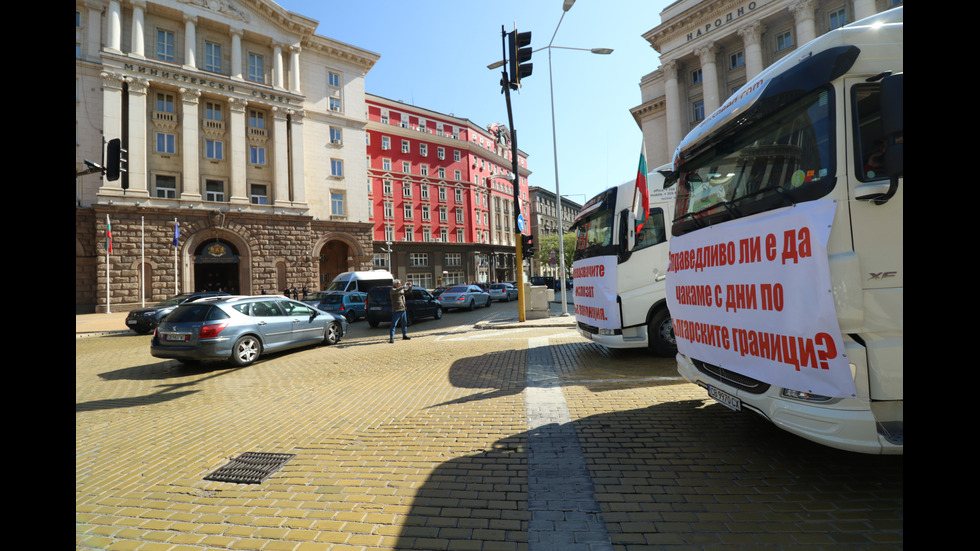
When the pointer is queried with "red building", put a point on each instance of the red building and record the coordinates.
(441, 195)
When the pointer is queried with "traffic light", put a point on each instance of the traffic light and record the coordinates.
(519, 45)
(115, 161)
(527, 246)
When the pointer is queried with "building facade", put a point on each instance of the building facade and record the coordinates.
(544, 222)
(441, 192)
(243, 131)
(710, 48)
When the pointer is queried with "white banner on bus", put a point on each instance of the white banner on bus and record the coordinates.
(595, 292)
(754, 296)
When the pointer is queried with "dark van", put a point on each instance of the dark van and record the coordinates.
(419, 303)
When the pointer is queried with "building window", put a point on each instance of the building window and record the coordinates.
(454, 259)
(442, 194)
(424, 170)
(407, 211)
(256, 155)
(335, 104)
(336, 203)
(736, 60)
(838, 18)
(380, 260)
(165, 103)
(256, 68)
(214, 190)
(460, 238)
(409, 233)
(336, 136)
(212, 111)
(426, 216)
(406, 147)
(407, 167)
(389, 210)
(166, 187)
(386, 143)
(386, 188)
(423, 149)
(456, 155)
(784, 41)
(337, 168)
(166, 143)
(389, 233)
(458, 175)
(459, 216)
(424, 189)
(333, 79)
(212, 57)
(441, 152)
(213, 150)
(165, 45)
(418, 259)
(698, 111)
(406, 189)
(386, 165)
(423, 281)
(256, 119)
(696, 76)
(426, 235)
(259, 194)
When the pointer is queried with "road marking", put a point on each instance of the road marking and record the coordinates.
(561, 496)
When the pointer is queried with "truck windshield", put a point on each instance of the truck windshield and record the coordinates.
(594, 234)
(785, 158)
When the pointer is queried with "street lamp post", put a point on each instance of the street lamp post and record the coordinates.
(567, 5)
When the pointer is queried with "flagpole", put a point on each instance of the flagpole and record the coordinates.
(142, 262)
(108, 249)
(176, 275)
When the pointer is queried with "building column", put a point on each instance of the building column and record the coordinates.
(752, 40)
(294, 52)
(806, 27)
(138, 46)
(675, 104)
(296, 154)
(190, 181)
(136, 140)
(277, 70)
(93, 39)
(236, 54)
(708, 56)
(112, 102)
(113, 41)
(280, 157)
(238, 151)
(190, 42)
(863, 8)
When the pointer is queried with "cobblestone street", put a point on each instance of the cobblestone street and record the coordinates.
(457, 439)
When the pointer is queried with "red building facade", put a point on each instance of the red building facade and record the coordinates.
(441, 195)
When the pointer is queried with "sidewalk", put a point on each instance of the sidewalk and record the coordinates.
(92, 325)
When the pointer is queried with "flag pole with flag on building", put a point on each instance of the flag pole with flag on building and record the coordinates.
(641, 194)
(176, 237)
(108, 250)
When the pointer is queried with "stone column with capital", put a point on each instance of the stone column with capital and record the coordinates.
(277, 69)
(294, 52)
(190, 181)
(672, 95)
(136, 140)
(752, 40)
(280, 156)
(806, 27)
(236, 54)
(708, 55)
(190, 42)
(138, 47)
(113, 41)
(238, 158)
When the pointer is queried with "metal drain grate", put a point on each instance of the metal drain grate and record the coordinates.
(250, 467)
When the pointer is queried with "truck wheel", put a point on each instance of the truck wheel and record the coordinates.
(660, 334)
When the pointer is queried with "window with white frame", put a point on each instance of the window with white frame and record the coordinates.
(406, 189)
(784, 40)
(418, 259)
(460, 237)
(165, 103)
(736, 60)
(333, 79)
(426, 215)
(409, 232)
(426, 234)
(256, 67)
(380, 260)
(389, 210)
(214, 190)
(424, 190)
(422, 281)
(336, 136)
(456, 155)
(454, 259)
(336, 203)
(385, 142)
(165, 45)
(166, 143)
(423, 149)
(389, 233)
(407, 211)
(165, 186)
(337, 168)
(838, 18)
(443, 214)
(406, 146)
(441, 152)
(386, 186)
(256, 155)
(386, 165)
(335, 104)
(258, 194)
(212, 57)
(407, 167)
(214, 150)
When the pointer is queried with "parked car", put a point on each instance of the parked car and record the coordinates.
(144, 320)
(419, 303)
(349, 305)
(504, 292)
(242, 328)
(464, 296)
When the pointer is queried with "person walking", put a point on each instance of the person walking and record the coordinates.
(399, 309)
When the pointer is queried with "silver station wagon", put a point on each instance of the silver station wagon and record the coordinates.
(241, 328)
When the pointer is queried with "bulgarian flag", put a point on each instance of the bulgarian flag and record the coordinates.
(641, 195)
(108, 235)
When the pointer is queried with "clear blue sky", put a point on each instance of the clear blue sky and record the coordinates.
(434, 54)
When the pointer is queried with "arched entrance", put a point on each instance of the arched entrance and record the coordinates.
(216, 267)
(333, 261)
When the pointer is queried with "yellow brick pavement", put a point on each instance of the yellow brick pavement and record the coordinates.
(423, 445)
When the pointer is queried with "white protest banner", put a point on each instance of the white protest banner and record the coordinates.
(754, 296)
(595, 292)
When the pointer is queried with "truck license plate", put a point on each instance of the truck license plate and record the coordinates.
(725, 398)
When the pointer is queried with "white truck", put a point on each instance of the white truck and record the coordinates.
(619, 293)
(786, 264)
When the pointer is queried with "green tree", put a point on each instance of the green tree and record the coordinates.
(549, 243)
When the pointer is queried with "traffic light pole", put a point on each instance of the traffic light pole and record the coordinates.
(505, 84)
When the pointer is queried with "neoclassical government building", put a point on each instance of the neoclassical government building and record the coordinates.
(710, 48)
(243, 130)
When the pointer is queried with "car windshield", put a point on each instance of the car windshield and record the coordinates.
(498, 286)
(329, 298)
(458, 289)
(173, 301)
(320, 295)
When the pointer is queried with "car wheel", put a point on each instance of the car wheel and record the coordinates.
(472, 305)
(247, 349)
(373, 323)
(660, 334)
(332, 334)
(487, 305)
(351, 316)
(438, 314)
